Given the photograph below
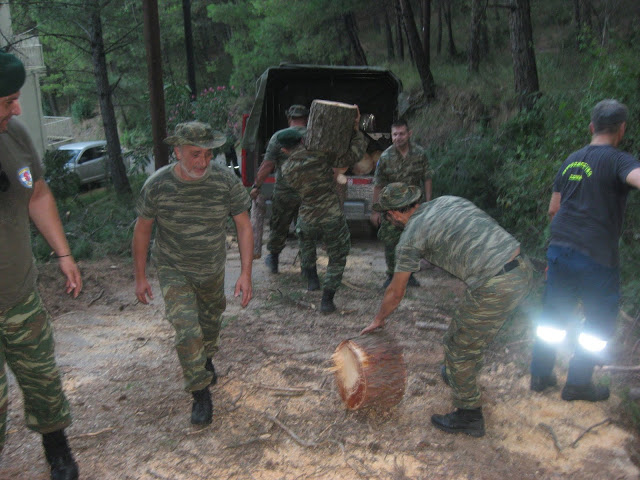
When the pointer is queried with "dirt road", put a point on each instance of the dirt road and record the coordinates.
(131, 416)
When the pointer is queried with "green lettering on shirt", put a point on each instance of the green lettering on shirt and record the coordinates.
(584, 166)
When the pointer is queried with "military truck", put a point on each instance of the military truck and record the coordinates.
(375, 90)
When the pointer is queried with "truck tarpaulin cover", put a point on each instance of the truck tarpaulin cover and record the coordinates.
(374, 89)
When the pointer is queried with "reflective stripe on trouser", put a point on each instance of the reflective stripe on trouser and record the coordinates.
(284, 208)
(389, 235)
(475, 325)
(335, 234)
(27, 347)
(194, 309)
(573, 277)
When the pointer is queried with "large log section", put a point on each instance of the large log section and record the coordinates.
(330, 126)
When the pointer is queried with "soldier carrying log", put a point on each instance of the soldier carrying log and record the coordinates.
(320, 218)
(457, 236)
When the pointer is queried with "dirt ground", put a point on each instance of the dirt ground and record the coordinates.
(131, 415)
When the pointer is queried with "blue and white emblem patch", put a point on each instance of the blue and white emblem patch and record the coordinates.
(24, 175)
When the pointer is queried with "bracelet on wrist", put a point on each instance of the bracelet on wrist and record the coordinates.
(255, 186)
(62, 256)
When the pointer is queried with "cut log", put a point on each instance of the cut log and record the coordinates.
(367, 164)
(330, 126)
(370, 371)
(258, 210)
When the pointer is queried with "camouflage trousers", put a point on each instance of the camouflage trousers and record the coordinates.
(474, 326)
(27, 347)
(389, 235)
(194, 309)
(284, 208)
(335, 235)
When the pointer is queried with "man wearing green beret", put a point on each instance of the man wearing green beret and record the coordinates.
(26, 336)
(285, 202)
(310, 173)
(457, 236)
(190, 202)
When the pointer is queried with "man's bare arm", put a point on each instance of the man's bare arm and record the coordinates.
(140, 248)
(245, 245)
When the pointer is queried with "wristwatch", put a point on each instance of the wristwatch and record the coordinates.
(255, 186)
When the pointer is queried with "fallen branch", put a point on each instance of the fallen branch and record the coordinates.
(432, 326)
(92, 434)
(575, 442)
(297, 439)
(298, 303)
(261, 438)
(620, 368)
(96, 298)
(354, 287)
(548, 428)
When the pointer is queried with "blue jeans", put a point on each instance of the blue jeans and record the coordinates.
(573, 277)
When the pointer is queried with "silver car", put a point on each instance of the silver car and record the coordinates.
(88, 160)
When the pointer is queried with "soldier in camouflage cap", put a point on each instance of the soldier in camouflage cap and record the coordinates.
(406, 162)
(285, 202)
(190, 201)
(457, 236)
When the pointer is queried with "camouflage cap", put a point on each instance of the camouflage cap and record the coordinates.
(396, 196)
(196, 133)
(289, 137)
(296, 111)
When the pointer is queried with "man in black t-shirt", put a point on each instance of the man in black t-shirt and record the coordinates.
(587, 210)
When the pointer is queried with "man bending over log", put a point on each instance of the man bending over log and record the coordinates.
(455, 235)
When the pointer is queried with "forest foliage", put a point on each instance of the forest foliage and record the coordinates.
(482, 146)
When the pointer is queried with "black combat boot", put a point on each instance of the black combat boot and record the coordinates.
(209, 366)
(202, 408)
(313, 282)
(540, 383)
(58, 453)
(327, 305)
(589, 392)
(271, 261)
(469, 421)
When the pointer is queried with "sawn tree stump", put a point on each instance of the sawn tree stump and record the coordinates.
(370, 371)
(330, 126)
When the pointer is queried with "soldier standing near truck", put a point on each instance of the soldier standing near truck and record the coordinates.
(285, 202)
(311, 174)
(405, 162)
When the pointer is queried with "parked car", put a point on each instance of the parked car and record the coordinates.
(88, 160)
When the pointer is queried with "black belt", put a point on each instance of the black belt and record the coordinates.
(509, 265)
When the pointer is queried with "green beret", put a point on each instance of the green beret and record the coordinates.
(12, 74)
(396, 196)
(197, 134)
(289, 137)
(296, 111)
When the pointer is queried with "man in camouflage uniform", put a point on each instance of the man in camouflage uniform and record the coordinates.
(191, 201)
(285, 201)
(310, 174)
(26, 334)
(460, 238)
(405, 162)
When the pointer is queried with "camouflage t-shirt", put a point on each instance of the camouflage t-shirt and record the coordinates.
(275, 154)
(310, 174)
(413, 169)
(457, 236)
(191, 217)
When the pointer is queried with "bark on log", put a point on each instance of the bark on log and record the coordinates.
(258, 210)
(330, 126)
(370, 371)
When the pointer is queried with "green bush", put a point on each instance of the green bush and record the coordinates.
(82, 109)
(62, 182)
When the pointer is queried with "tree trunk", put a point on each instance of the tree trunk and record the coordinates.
(426, 30)
(330, 126)
(389, 34)
(525, 72)
(352, 32)
(116, 165)
(424, 70)
(478, 30)
(447, 17)
(399, 34)
(188, 42)
(439, 29)
(154, 78)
